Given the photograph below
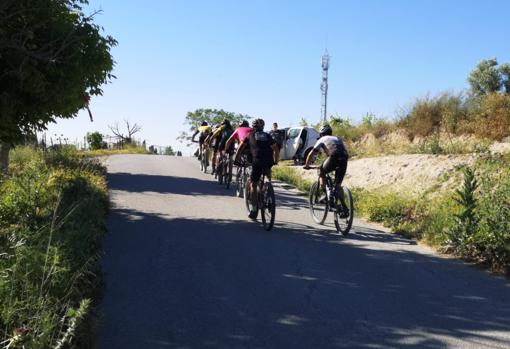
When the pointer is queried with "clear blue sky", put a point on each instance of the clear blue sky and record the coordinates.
(263, 58)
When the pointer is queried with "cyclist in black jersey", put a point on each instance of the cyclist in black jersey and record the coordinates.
(264, 154)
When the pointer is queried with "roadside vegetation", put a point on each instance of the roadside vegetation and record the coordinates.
(448, 123)
(53, 207)
(472, 222)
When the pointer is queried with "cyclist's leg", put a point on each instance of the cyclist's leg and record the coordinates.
(326, 167)
(340, 171)
(256, 173)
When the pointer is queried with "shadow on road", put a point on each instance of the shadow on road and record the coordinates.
(139, 183)
(204, 283)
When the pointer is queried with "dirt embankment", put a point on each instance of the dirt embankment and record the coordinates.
(414, 173)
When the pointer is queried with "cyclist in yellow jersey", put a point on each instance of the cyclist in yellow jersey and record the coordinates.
(203, 130)
(214, 141)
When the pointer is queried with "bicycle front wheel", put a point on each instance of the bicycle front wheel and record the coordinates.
(318, 203)
(268, 209)
(344, 211)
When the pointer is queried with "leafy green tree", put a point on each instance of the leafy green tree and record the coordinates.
(489, 78)
(212, 116)
(53, 57)
(95, 140)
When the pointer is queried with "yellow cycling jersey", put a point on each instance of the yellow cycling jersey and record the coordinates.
(204, 129)
(218, 131)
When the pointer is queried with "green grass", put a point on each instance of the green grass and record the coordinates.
(125, 150)
(291, 175)
(53, 207)
(436, 219)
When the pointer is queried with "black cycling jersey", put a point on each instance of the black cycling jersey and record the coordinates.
(260, 144)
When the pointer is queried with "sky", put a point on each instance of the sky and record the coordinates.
(262, 58)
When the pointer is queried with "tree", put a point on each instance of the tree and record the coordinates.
(169, 151)
(95, 140)
(53, 58)
(488, 78)
(131, 130)
(212, 116)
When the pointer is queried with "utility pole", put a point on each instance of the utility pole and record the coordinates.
(324, 87)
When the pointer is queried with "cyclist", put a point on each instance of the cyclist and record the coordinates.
(204, 130)
(218, 139)
(264, 154)
(213, 140)
(226, 132)
(336, 160)
(239, 134)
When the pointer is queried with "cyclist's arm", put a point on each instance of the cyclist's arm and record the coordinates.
(194, 135)
(309, 158)
(230, 140)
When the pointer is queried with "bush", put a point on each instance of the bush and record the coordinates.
(52, 219)
(491, 117)
(429, 115)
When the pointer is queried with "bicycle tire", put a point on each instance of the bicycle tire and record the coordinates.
(317, 211)
(344, 225)
(228, 177)
(268, 206)
(247, 201)
(205, 158)
(239, 182)
(219, 173)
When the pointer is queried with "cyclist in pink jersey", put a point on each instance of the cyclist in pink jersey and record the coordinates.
(239, 134)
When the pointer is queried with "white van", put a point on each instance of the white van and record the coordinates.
(297, 143)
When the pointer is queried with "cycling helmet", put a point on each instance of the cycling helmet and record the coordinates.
(258, 124)
(244, 123)
(326, 130)
(204, 123)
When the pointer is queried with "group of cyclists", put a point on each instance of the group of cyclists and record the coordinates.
(250, 146)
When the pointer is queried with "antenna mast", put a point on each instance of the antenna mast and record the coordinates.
(324, 87)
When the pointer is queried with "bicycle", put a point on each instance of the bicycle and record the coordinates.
(339, 202)
(266, 202)
(242, 174)
(228, 164)
(203, 157)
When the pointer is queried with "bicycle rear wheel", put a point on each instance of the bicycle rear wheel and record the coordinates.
(220, 169)
(247, 198)
(318, 203)
(344, 216)
(240, 182)
(205, 159)
(228, 175)
(268, 207)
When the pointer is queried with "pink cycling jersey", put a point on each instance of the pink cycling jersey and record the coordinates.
(240, 133)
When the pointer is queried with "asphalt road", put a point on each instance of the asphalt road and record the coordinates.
(186, 269)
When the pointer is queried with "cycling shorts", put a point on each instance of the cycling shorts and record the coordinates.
(258, 168)
(335, 163)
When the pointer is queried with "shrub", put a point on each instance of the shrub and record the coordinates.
(52, 215)
(491, 117)
(430, 114)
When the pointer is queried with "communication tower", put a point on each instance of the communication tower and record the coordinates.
(324, 86)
